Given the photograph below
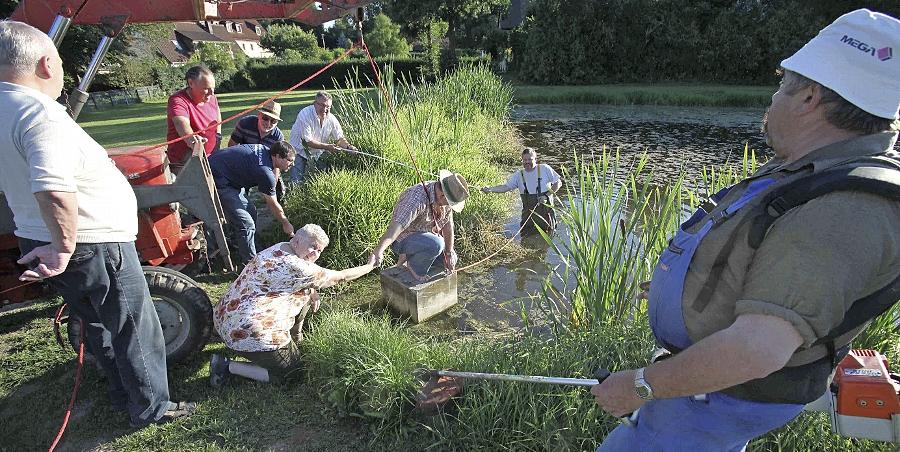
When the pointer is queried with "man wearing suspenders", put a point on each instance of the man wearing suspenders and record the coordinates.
(537, 183)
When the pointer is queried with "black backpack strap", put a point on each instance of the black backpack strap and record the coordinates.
(878, 181)
(869, 179)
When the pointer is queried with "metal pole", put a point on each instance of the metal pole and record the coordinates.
(79, 95)
(59, 28)
(520, 378)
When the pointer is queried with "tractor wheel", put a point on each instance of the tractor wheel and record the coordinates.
(184, 310)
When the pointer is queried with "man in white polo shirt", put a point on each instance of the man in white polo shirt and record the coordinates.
(315, 130)
(75, 220)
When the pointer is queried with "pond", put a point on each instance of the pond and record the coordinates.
(692, 138)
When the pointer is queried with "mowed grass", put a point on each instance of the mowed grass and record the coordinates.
(641, 94)
(145, 123)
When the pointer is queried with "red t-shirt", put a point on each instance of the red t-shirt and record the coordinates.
(200, 116)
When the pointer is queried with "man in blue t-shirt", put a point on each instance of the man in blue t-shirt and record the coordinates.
(259, 129)
(237, 169)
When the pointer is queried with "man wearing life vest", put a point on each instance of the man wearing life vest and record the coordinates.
(752, 328)
(537, 183)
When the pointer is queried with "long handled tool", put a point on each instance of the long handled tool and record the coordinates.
(443, 385)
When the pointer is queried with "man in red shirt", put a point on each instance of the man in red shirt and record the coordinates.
(190, 111)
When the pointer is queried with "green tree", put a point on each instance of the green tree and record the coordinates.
(219, 58)
(417, 15)
(282, 37)
(385, 39)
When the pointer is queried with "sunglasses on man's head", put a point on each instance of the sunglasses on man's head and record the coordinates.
(269, 120)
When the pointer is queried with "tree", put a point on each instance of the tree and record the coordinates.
(219, 58)
(282, 37)
(385, 39)
(416, 15)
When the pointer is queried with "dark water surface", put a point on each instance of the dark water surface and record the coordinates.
(692, 138)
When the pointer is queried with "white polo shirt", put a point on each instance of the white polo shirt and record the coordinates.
(43, 149)
(307, 127)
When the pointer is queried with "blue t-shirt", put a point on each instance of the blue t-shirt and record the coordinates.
(244, 166)
(247, 132)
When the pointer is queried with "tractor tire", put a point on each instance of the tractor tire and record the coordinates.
(184, 310)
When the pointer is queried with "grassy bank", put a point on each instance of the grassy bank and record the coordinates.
(457, 123)
(657, 94)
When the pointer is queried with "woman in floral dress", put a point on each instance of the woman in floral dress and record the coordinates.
(261, 315)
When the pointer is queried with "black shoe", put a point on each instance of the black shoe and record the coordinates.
(218, 371)
(176, 411)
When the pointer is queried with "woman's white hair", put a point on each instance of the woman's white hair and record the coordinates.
(312, 232)
(22, 46)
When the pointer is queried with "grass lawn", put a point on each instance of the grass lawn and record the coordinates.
(145, 123)
(36, 375)
(647, 94)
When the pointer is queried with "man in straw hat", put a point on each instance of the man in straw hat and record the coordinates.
(421, 229)
(259, 129)
(747, 342)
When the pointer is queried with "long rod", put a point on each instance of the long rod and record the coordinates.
(519, 378)
(378, 157)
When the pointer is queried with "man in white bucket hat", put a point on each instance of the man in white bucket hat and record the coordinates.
(751, 329)
(421, 229)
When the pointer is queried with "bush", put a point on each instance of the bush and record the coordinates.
(277, 75)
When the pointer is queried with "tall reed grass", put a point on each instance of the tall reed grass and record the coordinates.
(458, 122)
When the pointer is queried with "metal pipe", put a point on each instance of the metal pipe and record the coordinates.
(59, 28)
(520, 378)
(92, 68)
(79, 96)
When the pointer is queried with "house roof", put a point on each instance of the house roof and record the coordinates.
(170, 52)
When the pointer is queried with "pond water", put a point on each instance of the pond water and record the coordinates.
(692, 138)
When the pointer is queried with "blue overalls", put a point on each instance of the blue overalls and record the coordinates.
(716, 422)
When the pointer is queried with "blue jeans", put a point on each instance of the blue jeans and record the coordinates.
(104, 286)
(298, 173)
(423, 250)
(241, 216)
(721, 423)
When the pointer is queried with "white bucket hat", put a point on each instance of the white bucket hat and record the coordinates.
(854, 57)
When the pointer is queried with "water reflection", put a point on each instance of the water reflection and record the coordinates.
(672, 137)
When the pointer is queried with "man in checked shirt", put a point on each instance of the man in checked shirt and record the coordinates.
(418, 238)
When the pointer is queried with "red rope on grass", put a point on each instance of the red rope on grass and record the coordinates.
(65, 422)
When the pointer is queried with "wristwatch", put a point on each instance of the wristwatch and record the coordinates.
(641, 387)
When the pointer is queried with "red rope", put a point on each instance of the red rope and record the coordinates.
(276, 96)
(405, 140)
(65, 422)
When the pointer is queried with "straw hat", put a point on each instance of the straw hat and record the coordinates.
(455, 189)
(271, 109)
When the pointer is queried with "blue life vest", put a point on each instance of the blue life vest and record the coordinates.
(667, 285)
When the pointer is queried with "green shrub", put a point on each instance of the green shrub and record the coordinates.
(456, 123)
(275, 75)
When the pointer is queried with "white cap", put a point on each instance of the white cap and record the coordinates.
(854, 57)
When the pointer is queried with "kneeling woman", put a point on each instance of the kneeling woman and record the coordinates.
(261, 316)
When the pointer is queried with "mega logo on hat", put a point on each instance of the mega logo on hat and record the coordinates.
(883, 54)
(854, 57)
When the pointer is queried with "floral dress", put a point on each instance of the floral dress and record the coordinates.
(261, 306)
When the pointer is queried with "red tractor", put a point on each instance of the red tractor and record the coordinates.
(165, 244)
